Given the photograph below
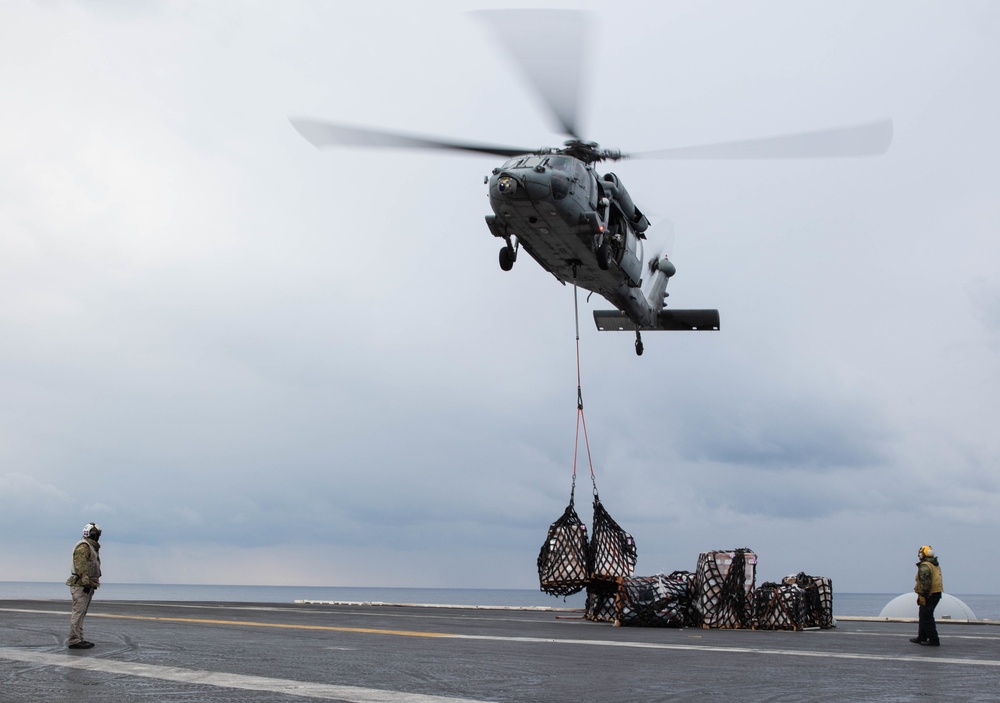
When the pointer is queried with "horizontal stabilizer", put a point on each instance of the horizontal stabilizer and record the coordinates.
(670, 320)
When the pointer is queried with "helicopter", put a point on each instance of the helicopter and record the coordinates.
(579, 225)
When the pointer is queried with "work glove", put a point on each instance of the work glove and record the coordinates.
(86, 589)
(921, 600)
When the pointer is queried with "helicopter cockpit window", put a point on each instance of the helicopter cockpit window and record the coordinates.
(531, 162)
(561, 163)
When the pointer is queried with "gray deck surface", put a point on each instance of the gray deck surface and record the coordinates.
(298, 652)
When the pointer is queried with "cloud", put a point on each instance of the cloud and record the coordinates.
(807, 434)
(19, 491)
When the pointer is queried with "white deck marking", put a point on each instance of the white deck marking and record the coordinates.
(745, 650)
(197, 677)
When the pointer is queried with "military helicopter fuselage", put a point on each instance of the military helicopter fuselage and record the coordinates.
(584, 228)
(578, 226)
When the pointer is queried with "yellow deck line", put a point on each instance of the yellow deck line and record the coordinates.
(284, 626)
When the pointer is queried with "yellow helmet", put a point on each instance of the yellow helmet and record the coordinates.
(925, 552)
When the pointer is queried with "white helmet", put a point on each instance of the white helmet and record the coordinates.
(92, 530)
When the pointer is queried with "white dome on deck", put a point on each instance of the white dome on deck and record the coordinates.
(905, 606)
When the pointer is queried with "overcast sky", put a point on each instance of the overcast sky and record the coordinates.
(257, 362)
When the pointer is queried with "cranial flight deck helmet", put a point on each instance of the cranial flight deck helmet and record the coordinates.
(925, 552)
(92, 531)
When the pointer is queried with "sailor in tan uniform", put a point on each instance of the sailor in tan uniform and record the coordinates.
(85, 579)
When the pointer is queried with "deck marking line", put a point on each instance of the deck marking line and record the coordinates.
(306, 689)
(278, 625)
(743, 650)
(245, 623)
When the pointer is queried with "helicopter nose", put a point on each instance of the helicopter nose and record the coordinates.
(506, 185)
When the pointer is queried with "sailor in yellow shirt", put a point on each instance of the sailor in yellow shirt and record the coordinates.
(928, 588)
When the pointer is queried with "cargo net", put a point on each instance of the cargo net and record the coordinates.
(562, 561)
(691, 616)
(601, 597)
(723, 589)
(780, 606)
(654, 601)
(612, 549)
(817, 597)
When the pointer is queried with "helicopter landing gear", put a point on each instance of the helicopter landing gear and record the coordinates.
(508, 255)
(603, 254)
(506, 259)
(602, 251)
(638, 343)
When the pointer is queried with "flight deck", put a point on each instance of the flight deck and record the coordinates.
(282, 653)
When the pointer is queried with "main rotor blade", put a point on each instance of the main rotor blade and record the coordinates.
(547, 46)
(322, 134)
(868, 139)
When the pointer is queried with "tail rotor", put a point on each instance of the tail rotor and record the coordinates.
(661, 268)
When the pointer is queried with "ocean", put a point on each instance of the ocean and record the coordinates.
(986, 607)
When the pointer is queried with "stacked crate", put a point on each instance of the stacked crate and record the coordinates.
(723, 589)
(601, 597)
(653, 601)
(779, 606)
(818, 598)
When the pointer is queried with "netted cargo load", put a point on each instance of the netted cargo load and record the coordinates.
(779, 606)
(818, 599)
(653, 601)
(723, 589)
(691, 616)
(601, 600)
(612, 549)
(562, 561)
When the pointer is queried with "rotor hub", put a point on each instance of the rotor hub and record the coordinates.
(589, 152)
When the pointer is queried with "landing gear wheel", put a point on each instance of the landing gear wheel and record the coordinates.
(638, 344)
(603, 254)
(507, 258)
